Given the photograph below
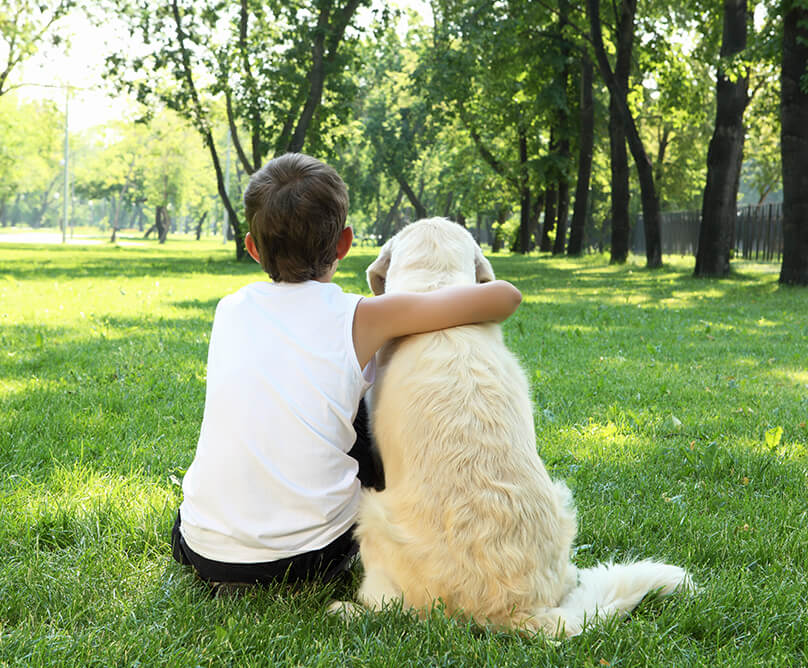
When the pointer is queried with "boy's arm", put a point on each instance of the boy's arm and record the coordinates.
(379, 319)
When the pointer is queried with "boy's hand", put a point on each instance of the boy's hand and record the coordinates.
(379, 319)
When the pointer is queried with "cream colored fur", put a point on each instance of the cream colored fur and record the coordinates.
(469, 514)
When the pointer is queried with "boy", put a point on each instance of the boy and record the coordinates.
(273, 491)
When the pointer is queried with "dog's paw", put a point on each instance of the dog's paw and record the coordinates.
(345, 609)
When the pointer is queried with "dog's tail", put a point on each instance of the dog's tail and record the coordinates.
(614, 590)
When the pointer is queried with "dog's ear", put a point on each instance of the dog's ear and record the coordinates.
(377, 272)
(482, 267)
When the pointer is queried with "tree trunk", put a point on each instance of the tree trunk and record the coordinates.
(199, 224)
(662, 146)
(561, 216)
(652, 216)
(137, 216)
(323, 54)
(15, 212)
(794, 146)
(564, 127)
(651, 213)
(535, 214)
(725, 153)
(523, 245)
(550, 204)
(497, 241)
(586, 143)
(420, 209)
(447, 208)
(621, 194)
(384, 229)
(207, 134)
(161, 222)
(44, 203)
(115, 219)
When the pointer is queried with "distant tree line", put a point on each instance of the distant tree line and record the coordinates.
(518, 118)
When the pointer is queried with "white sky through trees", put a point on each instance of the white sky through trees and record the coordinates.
(80, 65)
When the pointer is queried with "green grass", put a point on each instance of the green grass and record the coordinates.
(659, 398)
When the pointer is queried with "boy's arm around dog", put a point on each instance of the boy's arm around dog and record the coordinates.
(380, 319)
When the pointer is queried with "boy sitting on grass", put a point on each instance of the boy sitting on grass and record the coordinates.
(273, 492)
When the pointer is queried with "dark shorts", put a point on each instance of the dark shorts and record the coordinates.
(326, 564)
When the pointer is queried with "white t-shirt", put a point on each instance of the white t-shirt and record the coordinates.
(271, 478)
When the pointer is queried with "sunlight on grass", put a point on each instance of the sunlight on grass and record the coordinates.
(798, 376)
(675, 408)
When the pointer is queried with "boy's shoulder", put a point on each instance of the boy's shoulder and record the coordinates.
(271, 294)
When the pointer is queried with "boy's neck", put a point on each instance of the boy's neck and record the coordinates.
(329, 274)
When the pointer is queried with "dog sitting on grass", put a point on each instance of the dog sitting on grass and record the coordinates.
(469, 515)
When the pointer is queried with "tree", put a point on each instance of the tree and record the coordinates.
(725, 154)
(159, 164)
(762, 170)
(114, 169)
(395, 114)
(24, 24)
(618, 162)
(562, 124)
(273, 63)
(675, 122)
(499, 70)
(30, 153)
(794, 142)
(652, 218)
(586, 140)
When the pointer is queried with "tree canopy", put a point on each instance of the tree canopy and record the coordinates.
(516, 118)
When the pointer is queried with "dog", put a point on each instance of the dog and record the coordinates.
(469, 515)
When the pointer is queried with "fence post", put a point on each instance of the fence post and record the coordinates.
(779, 230)
(747, 235)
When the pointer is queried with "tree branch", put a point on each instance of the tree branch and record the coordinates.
(204, 129)
(486, 155)
(320, 56)
(242, 156)
(255, 114)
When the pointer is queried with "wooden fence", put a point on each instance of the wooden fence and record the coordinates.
(758, 233)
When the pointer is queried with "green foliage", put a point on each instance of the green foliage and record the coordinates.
(762, 170)
(506, 232)
(676, 124)
(24, 26)
(258, 55)
(102, 367)
(435, 111)
(31, 150)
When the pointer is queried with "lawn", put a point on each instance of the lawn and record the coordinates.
(674, 408)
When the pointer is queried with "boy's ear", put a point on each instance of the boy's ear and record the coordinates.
(252, 249)
(344, 242)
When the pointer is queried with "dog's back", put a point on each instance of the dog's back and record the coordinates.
(479, 522)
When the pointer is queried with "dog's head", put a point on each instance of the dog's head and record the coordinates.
(426, 255)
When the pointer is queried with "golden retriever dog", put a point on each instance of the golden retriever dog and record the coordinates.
(469, 515)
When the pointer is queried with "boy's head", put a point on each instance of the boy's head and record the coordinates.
(296, 208)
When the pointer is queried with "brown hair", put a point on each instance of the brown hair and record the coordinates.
(296, 208)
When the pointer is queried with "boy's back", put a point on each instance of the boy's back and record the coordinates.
(283, 388)
(273, 490)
